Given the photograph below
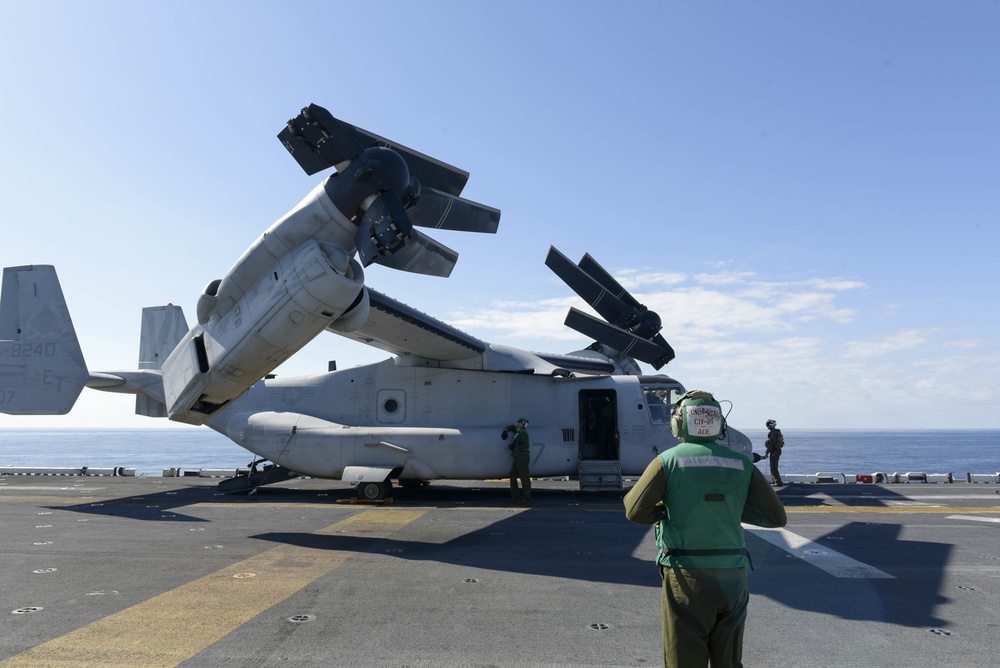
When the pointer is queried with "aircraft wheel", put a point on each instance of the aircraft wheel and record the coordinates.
(372, 491)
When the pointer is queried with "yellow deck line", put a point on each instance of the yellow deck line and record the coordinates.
(161, 632)
(179, 507)
(890, 509)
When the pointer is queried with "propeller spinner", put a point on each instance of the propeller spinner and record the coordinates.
(628, 326)
(387, 188)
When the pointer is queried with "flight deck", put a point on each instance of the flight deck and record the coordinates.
(151, 571)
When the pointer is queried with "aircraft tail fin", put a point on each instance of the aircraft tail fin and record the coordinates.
(42, 370)
(162, 329)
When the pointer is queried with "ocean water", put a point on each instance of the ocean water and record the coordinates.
(853, 451)
(847, 451)
(149, 451)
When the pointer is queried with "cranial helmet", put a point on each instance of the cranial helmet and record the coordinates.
(697, 418)
(770, 424)
(523, 421)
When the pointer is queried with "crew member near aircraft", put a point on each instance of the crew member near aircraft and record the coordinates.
(698, 493)
(772, 450)
(519, 467)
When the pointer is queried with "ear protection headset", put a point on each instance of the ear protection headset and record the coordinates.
(697, 418)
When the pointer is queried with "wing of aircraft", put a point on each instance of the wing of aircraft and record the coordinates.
(402, 330)
(405, 331)
(631, 330)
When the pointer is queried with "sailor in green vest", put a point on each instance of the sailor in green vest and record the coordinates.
(698, 493)
(519, 467)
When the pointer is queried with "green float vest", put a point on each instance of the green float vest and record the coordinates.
(520, 443)
(707, 488)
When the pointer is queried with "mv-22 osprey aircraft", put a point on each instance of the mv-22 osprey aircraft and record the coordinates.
(435, 410)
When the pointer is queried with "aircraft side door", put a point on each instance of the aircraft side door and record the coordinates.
(598, 425)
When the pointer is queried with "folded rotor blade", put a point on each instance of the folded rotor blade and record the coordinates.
(590, 267)
(384, 228)
(623, 341)
(317, 140)
(603, 301)
(386, 236)
(443, 211)
(431, 171)
(421, 255)
(630, 329)
(668, 350)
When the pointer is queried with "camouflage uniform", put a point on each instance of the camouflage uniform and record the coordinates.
(519, 467)
(772, 448)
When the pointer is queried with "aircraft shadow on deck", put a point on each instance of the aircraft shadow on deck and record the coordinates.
(156, 507)
(858, 495)
(546, 540)
(909, 598)
(553, 540)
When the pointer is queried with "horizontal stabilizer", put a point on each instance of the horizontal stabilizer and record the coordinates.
(42, 370)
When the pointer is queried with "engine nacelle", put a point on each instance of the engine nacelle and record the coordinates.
(287, 306)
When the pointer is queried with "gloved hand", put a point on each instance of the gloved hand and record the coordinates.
(503, 434)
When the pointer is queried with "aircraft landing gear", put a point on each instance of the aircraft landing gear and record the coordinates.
(253, 479)
(374, 491)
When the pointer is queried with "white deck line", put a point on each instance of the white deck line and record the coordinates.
(833, 562)
(974, 518)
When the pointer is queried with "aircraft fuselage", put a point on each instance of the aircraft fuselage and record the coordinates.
(429, 423)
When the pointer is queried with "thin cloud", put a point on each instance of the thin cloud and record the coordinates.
(637, 279)
(725, 278)
(790, 350)
(899, 341)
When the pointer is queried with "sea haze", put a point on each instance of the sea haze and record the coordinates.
(150, 451)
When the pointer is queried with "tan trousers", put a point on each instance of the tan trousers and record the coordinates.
(704, 611)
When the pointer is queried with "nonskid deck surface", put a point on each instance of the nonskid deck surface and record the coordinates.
(155, 571)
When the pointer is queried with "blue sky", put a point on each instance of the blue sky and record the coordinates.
(806, 192)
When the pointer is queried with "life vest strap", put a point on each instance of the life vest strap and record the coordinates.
(678, 552)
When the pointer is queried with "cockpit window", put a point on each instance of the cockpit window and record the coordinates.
(659, 400)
